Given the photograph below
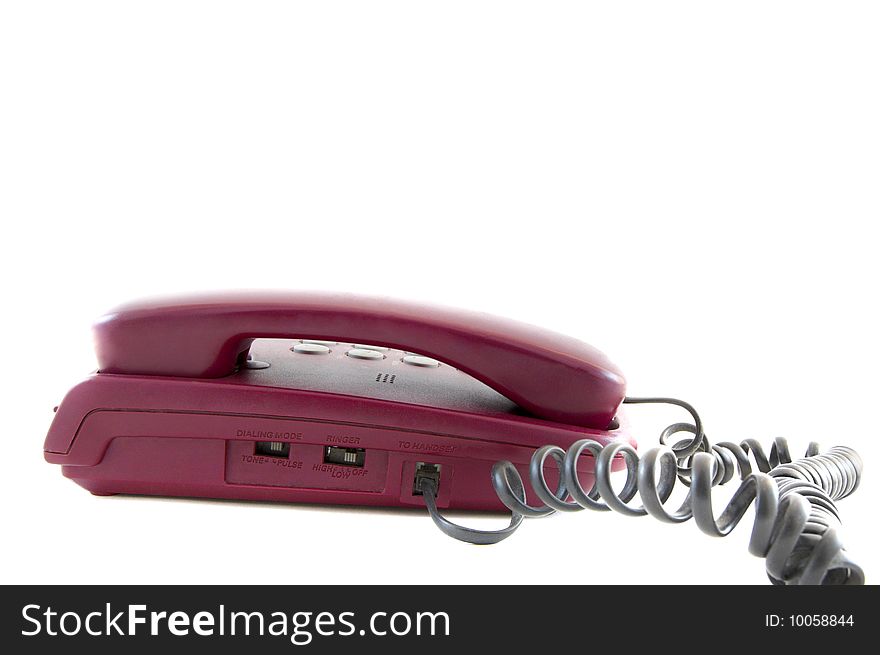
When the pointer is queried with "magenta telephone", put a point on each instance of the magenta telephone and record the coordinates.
(334, 398)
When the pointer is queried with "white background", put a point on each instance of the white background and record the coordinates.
(692, 187)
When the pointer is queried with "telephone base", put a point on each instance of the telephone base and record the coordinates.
(168, 437)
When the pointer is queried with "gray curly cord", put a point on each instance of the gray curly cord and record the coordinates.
(796, 521)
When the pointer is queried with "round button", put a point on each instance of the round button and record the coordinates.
(310, 349)
(320, 343)
(419, 360)
(363, 353)
(381, 349)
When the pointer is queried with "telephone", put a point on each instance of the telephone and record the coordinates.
(344, 399)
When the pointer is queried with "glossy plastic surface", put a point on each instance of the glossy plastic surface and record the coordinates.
(156, 421)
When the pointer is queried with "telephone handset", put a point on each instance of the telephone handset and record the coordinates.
(549, 375)
(336, 398)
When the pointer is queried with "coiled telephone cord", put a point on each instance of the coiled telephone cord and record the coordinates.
(796, 521)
